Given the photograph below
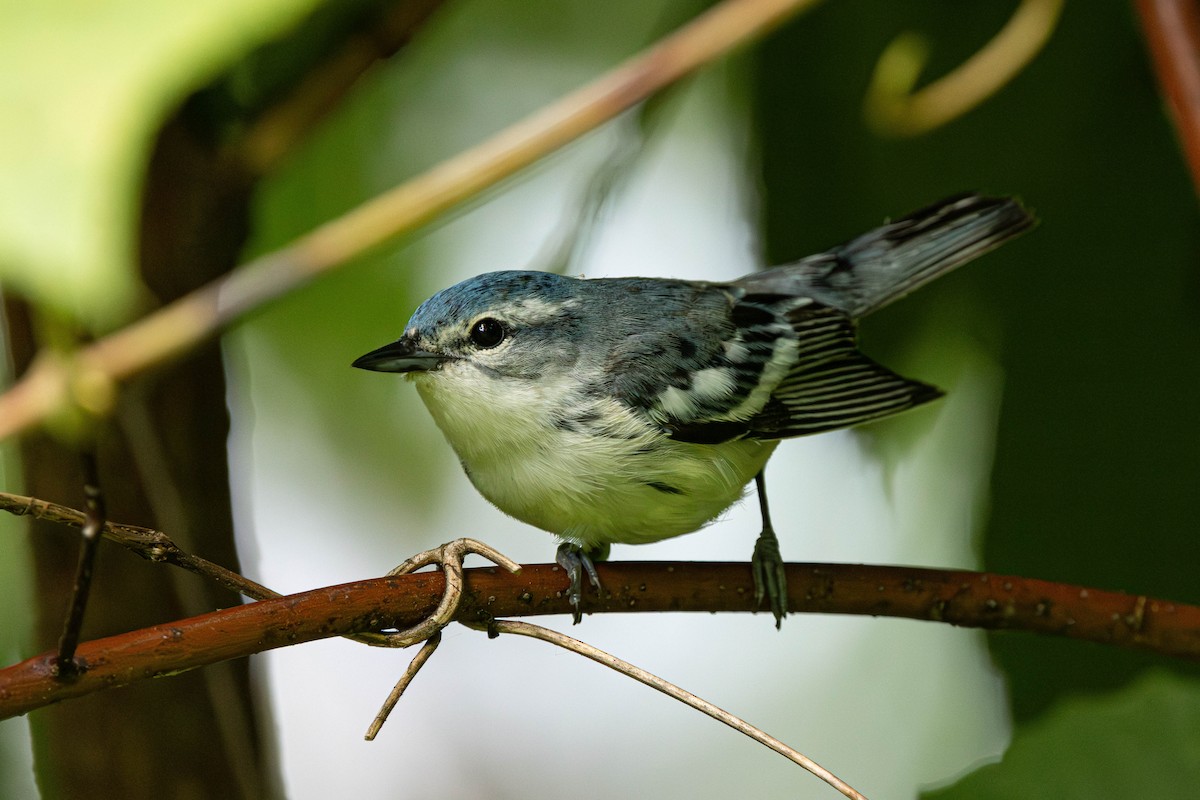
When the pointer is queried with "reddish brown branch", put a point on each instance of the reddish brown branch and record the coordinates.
(969, 599)
(1173, 33)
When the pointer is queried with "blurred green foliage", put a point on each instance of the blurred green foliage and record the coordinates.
(83, 89)
(1138, 741)
(1094, 316)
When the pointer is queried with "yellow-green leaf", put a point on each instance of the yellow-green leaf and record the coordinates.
(83, 86)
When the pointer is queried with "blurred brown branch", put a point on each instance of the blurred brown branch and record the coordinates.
(274, 134)
(87, 379)
(1172, 30)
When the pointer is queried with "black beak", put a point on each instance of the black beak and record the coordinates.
(401, 355)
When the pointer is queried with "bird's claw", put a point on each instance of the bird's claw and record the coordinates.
(770, 577)
(575, 561)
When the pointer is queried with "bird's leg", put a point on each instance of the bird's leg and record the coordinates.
(576, 560)
(770, 578)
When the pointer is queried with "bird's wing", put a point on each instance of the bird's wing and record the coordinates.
(712, 369)
(827, 384)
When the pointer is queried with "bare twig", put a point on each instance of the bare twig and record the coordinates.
(419, 660)
(148, 543)
(92, 372)
(894, 109)
(449, 558)
(672, 691)
(93, 524)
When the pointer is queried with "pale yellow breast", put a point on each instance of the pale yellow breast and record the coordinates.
(633, 485)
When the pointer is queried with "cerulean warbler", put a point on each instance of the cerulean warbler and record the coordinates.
(630, 410)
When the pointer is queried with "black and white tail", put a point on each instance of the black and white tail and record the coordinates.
(867, 273)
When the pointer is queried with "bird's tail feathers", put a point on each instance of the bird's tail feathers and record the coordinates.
(887, 263)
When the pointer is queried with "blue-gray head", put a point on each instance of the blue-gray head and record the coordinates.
(511, 324)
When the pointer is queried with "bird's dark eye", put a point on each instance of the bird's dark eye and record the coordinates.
(487, 333)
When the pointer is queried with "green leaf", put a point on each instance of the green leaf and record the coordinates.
(83, 87)
(1143, 741)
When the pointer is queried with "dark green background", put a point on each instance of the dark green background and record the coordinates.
(1094, 316)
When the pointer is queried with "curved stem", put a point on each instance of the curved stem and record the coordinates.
(674, 692)
(894, 109)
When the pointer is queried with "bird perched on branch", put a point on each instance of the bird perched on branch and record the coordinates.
(630, 410)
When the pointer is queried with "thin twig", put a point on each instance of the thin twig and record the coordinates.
(93, 525)
(180, 326)
(148, 543)
(414, 666)
(669, 689)
(449, 557)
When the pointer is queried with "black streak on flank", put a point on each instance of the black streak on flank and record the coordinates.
(577, 422)
(664, 488)
(707, 432)
(747, 315)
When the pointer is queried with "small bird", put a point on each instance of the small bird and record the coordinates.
(629, 410)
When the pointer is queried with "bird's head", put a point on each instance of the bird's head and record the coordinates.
(514, 326)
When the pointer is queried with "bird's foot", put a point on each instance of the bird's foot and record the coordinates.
(770, 578)
(576, 560)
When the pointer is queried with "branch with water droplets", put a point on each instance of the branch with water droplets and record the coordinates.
(968, 599)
